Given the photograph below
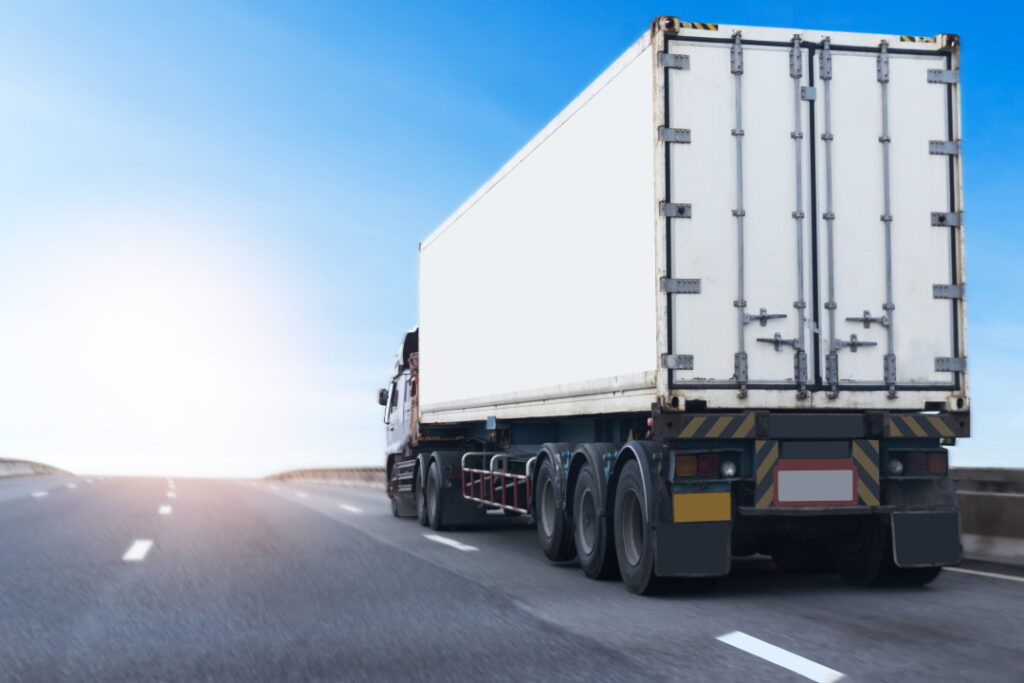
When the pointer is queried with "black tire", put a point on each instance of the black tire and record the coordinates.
(394, 507)
(806, 557)
(593, 536)
(864, 558)
(420, 500)
(433, 495)
(634, 542)
(553, 530)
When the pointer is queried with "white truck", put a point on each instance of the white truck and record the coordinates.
(714, 308)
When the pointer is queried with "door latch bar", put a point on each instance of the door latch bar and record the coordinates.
(763, 316)
(867, 319)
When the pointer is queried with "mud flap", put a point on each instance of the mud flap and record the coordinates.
(926, 539)
(693, 549)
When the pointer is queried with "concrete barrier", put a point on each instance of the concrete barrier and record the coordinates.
(23, 468)
(372, 477)
(991, 513)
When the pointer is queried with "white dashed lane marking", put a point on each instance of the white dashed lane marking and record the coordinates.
(72, 486)
(301, 494)
(137, 551)
(172, 494)
(350, 508)
(164, 510)
(991, 575)
(40, 494)
(783, 658)
(449, 542)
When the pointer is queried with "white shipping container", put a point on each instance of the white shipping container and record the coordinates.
(745, 217)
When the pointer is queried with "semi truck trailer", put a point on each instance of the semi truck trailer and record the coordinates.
(715, 308)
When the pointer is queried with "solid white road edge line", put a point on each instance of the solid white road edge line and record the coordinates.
(350, 508)
(449, 542)
(783, 658)
(137, 551)
(40, 494)
(991, 575)
(164, 510)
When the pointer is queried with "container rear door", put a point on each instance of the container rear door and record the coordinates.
(885, 165)
(739, 197)
(810, 195)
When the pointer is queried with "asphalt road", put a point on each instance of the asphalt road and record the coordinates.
(258, 581)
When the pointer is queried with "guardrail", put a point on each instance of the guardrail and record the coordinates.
(365, 476)
(991, 505)
(991, 513)
(22, 468)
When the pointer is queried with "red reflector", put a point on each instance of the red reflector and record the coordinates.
(917, 463)
(937, 463)
(707, 465)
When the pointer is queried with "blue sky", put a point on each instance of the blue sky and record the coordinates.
(248, 182)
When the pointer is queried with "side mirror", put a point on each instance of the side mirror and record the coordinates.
(382, 397)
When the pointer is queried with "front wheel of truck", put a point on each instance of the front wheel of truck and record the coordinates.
(634, 541)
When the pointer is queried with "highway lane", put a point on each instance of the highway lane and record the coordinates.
(240, 584)
(272, 581)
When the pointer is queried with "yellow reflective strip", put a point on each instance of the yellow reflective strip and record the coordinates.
(718, 427)
(702, 507)
(865, 461)
(893, 429)
(865, 493)
(915, 427)
(766, 465)
(692, 427)
(745, 427)
(767, 498)
(940, 425)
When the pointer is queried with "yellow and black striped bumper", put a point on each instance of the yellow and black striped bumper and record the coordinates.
(762, 424)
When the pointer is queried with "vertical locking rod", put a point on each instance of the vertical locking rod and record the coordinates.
(800, 357)
(889, 363)
(736, 67)
(832, 359)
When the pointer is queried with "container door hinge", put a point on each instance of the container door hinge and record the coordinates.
(832, 374)
(666, 134)
(951, 147)
(954, 218)
(671, 61)
(808, 93)
(740, 367)
(951, 364)
(677, 362)
(948, 76)
(800, 372)
(671, 285)
(948, 291)
(889, 369)
(671, 210)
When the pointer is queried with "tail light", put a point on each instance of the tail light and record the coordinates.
(919, 462)
(686, 465)
(707, 465)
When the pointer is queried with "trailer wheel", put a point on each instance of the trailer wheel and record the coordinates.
(553, 529)
(434, 497)
(595, 546)
(421, 500)
(634, 542)
(864, 558)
